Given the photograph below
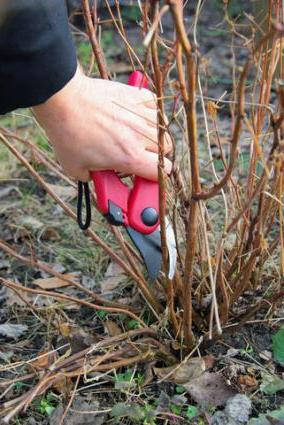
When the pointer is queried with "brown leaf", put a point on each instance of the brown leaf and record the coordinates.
(50, 234)
(112, 278)
(85, 410)
(44, 360)
(112, 328)
(80, 339)
(249, 382)
(12, 299)
(183, 372)
(212, 109)
(63, 385)
(55, 282)
(210, 389)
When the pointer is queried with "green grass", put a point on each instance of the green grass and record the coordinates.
(84, 51)
(46, 404)
(73, 250)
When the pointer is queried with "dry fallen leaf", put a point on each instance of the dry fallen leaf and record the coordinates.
(184, 372)
(249, 382)
(11, 330)
(80, 339)
(210, 389)
(112, 278)
(55, 282)
(112, 328)
(43, 360)
(63, 385)
(50, 234)
(84, 410)
(11, 298)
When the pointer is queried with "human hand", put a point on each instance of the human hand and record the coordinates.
(97, 124)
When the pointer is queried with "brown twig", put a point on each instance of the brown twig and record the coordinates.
(144, 288)
(52, 294)
(94, 41)
(44, 267)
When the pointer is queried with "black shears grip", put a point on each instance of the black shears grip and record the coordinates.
(83, 191)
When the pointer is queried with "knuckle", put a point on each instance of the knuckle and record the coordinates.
(127, 161)
(149, 96)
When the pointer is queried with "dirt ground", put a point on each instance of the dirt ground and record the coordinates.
(36, 227)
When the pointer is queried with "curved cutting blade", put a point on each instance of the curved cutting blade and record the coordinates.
(149, 247)
(171, 245)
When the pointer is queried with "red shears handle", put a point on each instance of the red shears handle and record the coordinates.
(139, 205)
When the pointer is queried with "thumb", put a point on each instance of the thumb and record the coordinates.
(148, 166)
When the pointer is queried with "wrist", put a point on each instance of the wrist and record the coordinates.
(62, 100)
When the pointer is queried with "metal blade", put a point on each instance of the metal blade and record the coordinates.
(171, 245)
(149, 247)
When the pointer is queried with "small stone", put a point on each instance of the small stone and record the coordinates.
(220, 418)
(232, 352)
(238, 408)
(265, 355)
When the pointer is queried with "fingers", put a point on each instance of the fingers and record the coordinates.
(150, 99)
(150, 131)
(154, 146)
(139, 111)
(146, 165)
(150, 136)
(140, 97)
(78, 174)
(145, 131)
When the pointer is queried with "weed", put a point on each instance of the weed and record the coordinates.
(133, 324)
(102, 314)
(84, 53)
(191, 412)
(47, 404)
(128, 380)
(180, 389)
(248, 350)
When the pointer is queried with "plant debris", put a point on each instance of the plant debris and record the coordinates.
(210, 389)
(111, 346)
(14, 331)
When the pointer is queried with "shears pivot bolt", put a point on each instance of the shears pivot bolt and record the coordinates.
(149, 216)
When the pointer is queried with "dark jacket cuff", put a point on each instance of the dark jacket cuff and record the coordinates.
(37, 53)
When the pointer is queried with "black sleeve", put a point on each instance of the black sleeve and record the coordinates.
(37, 54)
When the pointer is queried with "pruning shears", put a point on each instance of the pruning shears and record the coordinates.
(136, 208)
